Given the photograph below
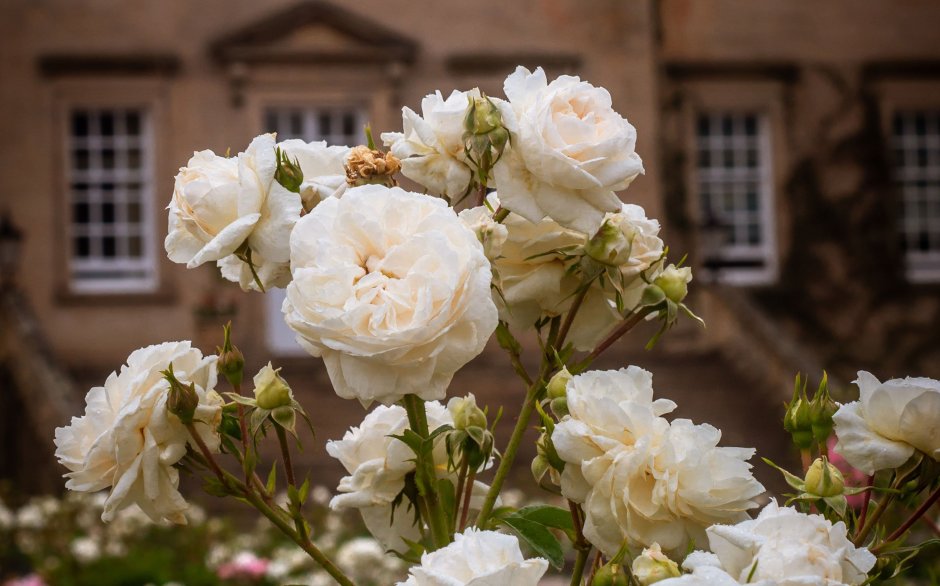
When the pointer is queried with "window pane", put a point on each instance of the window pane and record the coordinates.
(732, 182)
(110, 225)
(916, 150)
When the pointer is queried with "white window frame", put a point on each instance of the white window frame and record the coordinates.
(922, 266)
(766, 251)
(278, 337)
(79, 269)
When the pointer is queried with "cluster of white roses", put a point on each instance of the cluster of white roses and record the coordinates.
(396, 291)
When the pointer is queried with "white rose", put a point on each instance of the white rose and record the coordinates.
(322, 166)
(431, 149)
(889, 421)
(392, 290)
(570, 151)
(639, 477)
(534, 279)
(128, 441)
(477, 558)
(221, 203)
(789, 548)
(491, 233)
(378, 463)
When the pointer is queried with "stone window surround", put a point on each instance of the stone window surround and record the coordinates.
(765, 98)
(102, 92)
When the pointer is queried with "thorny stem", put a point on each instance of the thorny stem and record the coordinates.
(624, 327)
(461, 479)
(918, 513)
(296, 512)
(865, 529)
(239, 489)
(866, 499)
(243, 428)
(572, 312)
(418, 421)
(467, 493)
(581, 544)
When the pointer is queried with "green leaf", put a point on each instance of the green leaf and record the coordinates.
(539, 538)
(304, 490)
(547, 515)
(792, 479)
(214, 487)
(837, 503)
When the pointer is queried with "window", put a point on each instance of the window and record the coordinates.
(734, 184)
(109, 178)
(916, 145)
(335, 125)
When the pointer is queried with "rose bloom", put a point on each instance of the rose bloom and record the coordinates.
(534, 279)
(377, 464)
(221, 203)
(477, 558)
(639, 477)
(322, 166)
(781, 547)
(128, 441)
(890, 420)
(392, 290)
(431, 148)
(570, 151)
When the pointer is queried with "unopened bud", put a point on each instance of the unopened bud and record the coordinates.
(674, 282)
(611, 244)
(540, 468)
(231, 363)
(465, 412)
(558, 384)
(366, 166)
(611, 574)
(797, 420)
(822, 408)
(288, 173)
(653, 566)
(483, 117)
(181, 399)
(559, 407)
(271, 391)
(824, 479)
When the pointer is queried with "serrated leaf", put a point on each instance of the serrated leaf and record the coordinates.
(539, 538)
(837, 503)
(547, 515)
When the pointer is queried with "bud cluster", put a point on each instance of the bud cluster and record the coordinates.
(809, 420)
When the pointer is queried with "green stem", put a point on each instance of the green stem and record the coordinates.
(239, 489)
(572, 312)
(295, 510)
(921, 510)
(872, 519)
(509, 455)
(427, 484)
(625, 326)
(580, 562)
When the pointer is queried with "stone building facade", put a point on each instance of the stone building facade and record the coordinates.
(792, 149)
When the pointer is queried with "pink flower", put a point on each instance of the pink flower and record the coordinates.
(244, 565)
(31, 580)
(853, 476)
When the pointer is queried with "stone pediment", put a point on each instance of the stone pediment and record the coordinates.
(314, 31)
